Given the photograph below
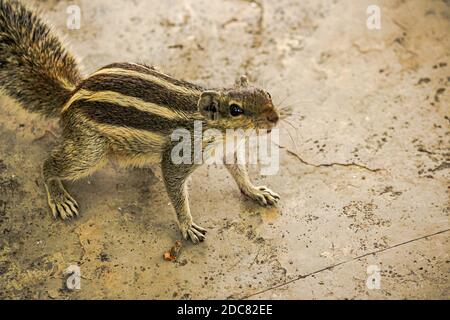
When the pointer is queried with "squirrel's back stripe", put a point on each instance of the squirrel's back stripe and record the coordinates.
(131, 140)
(127, 137)
(142, 68)
(124, 101)
(145, 90)
(113, 114)
(156, 78)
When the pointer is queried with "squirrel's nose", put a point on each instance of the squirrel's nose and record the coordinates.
(272, 117)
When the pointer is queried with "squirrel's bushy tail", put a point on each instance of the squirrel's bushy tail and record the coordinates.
(35, 69)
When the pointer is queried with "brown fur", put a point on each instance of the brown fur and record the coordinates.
(35, 69)
(123, 111)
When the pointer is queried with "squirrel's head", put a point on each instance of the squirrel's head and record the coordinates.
(242, 106)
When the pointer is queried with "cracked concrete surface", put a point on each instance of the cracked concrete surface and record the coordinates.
(364, 159)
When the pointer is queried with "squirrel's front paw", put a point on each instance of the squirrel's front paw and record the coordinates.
(263, 195)
(194, 232)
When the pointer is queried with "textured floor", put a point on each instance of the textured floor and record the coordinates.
(364, 179)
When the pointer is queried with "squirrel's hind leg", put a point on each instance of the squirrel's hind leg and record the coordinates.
(75, 158)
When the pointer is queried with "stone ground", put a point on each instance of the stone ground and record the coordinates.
(364, 179)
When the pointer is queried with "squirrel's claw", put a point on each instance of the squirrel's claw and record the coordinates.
(263, 195)
(65, 208)
(60, 201)
(195, 233)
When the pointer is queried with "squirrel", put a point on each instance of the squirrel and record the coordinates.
(124, 111)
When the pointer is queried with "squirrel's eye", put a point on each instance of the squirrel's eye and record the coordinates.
(235, 110)
(269, 95)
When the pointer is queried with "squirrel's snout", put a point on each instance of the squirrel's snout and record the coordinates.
(272, 117)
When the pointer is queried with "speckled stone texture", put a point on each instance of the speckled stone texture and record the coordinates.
(364, 174)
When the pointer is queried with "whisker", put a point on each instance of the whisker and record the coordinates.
(298, 104)
(284, 116)
(283, 100)
(286, 108)
(286, 112)
(292, 139)
(290, 123)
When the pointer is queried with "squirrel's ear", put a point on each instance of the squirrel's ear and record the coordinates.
(244, 81)
(208, 104)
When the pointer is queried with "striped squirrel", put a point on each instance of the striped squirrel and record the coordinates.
(123, 111)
